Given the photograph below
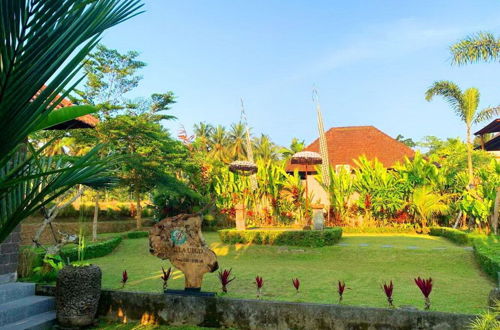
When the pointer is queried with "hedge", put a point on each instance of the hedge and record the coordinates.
(135, 234)
(93, 250)
(379, 230)
(454, 235)
(309, 238)
(486, 248)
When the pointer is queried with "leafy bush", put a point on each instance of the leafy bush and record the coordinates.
(107, 210)
(309, 238)
(136, 234)
(486, 248)
(454, 235)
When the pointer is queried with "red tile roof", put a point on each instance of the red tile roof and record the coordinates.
(86, 121)
(348, 143)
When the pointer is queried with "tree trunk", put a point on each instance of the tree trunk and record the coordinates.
(496, 211)
(138, 216)
(96, 216)
(469, 156)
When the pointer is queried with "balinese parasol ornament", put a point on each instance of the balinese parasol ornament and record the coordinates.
(243, 167)
(307, 158)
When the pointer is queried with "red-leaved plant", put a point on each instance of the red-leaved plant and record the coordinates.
(124, 278)
(296, 284)
(425, 286)
(388, 288)
(166, 276)
(340, 290)
(259, 281)
(224, 278)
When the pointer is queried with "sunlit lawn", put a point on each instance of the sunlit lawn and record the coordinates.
(459, 284)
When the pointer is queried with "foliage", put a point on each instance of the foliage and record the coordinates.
(166, 276)
(454, 235)
(407, 141)
(225, 279)
(296, 284)
(388, 290)
(426, 204)
(340, 190)
(425, 286)
(41, 51)
(489, 320)
(310, 238)
(47, 272)
(479, 47)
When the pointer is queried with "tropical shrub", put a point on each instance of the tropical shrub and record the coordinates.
(309, 238)
(454, 235)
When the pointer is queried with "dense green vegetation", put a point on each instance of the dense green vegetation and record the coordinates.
(363, 268)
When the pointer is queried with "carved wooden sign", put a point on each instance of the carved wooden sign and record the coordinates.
(179, 240)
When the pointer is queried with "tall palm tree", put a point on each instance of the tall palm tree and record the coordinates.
(41, 50)
(295, 146)
(465, 105)
(218, 144)
(202, 132)
(265, 149)
(482, 46)
(237, 140)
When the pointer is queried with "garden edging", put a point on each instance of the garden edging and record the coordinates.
(262, 314)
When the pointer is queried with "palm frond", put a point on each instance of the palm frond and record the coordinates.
(486, 114)
(450, 92)
(482, 46)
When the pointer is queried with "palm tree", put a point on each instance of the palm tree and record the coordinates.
(202, 132)
(265, 149)
(465, 105)
(478, 47)
(426, 204)
(237, 140)
(42, 46)
(295, 146)
(218, 144)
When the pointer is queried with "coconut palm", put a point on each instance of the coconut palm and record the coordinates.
(237, 140)
(41, 50)
(465, 105)
(295, 146)
(202, 132)
(478, 47)
(265, 149)
(426, 204)
(218, 144)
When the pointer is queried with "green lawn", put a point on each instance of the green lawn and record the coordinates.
(459, 284)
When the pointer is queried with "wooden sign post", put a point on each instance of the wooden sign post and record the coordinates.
(179, 240)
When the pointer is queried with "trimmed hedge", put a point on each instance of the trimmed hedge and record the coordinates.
(454, 235)
(93, 250)
(135, 234)
(486, 248)
(309, 238)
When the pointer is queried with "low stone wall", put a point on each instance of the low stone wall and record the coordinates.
(261, 314)
(9, 256)
(28, 229)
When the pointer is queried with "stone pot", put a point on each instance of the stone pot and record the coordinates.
(77, 295)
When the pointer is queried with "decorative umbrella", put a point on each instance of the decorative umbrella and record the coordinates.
(243, 167)
(307, 158)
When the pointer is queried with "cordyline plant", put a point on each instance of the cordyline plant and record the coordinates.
(340, 290)
(166, 276)
(224, 278)
(296, 284)
(425, 286)
(388, 289)
(124, 278)
(259, 281)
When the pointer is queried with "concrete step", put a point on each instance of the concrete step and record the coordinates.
(36, 322)
(20, 309)
(13, 291)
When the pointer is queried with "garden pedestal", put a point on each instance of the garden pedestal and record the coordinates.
(318, 218)
(240, 217)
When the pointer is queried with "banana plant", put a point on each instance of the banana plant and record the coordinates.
(42, 48)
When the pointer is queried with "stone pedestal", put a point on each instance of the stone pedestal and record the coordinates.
(317, 217)
(240, 217)
(9, 256)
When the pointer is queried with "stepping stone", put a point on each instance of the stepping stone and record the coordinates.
(439, 248)
(387, 246)
(469, 248)
(343, 244)
(364, 244)
(412, 247)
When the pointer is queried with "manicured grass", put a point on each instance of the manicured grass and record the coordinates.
(459, 284)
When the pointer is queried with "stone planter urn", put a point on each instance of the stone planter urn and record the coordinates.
(78, 290)
(317, 218)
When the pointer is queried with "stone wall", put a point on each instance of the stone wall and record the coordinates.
(28, 229)
(9, 257)
(171, 309)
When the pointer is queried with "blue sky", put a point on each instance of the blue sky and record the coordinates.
(371, 62)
